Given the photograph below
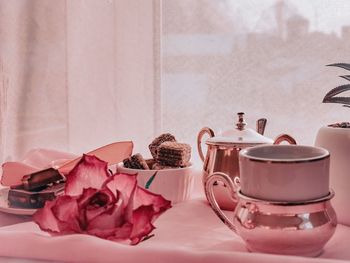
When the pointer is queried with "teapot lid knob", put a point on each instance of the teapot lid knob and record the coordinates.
(241, 122)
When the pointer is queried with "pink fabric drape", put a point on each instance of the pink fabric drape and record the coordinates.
(188, 232)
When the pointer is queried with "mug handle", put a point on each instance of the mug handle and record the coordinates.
(285, 137)
(201, 133)
(209, 191)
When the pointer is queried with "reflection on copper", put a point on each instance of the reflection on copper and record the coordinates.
(292, 228)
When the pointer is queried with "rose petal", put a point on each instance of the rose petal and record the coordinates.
(102, 205)
(67, 213)
(90, 193)
(144, 197)
(82, 201)
(108, 220)
(112, 224)
(58, 216)
(13, 172)
(46, 219)
(121, 232)
(115, 234)
(90, 172)
(104, 197)
(92, 213)
(85, 197)
(124, 183)
(142, 223)
(90, 204)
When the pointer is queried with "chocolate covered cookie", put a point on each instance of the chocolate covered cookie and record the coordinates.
(136, 161)
(166, 137)
(158, 166)
(174, 154)
(150, 163)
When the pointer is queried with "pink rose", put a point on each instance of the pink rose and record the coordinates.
(112, 207)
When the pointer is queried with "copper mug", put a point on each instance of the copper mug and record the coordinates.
(292, 226)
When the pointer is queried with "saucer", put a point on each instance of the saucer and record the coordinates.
(4, 206)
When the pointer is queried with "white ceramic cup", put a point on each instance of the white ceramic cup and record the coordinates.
(174, 184)
(290, 173)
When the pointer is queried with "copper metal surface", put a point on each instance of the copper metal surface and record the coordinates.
(277, 227)
(223, 157)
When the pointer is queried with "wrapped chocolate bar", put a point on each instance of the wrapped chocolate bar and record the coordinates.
(34, 199)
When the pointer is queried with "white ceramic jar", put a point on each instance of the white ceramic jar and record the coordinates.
(337, 142)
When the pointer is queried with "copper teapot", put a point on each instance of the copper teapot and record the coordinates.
(223, 150)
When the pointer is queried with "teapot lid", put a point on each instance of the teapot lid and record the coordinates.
(241, 136)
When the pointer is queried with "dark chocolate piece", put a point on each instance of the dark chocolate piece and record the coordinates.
(34, 199)
(38, 180)
(153, 147)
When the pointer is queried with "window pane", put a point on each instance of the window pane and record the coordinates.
(263, 57)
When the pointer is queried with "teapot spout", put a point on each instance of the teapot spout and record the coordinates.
(260, 125)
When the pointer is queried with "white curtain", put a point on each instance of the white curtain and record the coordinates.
(75, 75)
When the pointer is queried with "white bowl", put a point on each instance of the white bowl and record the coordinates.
(174, 184)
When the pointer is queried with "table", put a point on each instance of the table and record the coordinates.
(188, 232)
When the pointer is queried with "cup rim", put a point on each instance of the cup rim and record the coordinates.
(246, 153)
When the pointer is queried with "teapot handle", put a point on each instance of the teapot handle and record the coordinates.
(209, 191)
(201, 133)
(285, 137)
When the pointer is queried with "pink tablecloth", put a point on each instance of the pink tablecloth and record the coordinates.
(189, 232)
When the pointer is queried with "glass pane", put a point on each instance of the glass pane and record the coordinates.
(263, 57)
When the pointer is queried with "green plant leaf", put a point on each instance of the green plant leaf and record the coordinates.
(347, 77)
(335, 92)
(342, 100)
(340, 65)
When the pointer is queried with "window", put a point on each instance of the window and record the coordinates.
(265, 58)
